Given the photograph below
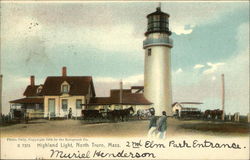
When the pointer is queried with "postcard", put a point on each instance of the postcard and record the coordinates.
(124, 80)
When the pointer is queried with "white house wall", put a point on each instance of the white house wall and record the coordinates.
(58, 106)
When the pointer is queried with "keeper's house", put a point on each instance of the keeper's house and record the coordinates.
(60, 94)
(56, 96)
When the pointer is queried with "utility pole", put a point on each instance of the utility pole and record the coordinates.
(1, 86)
(121, 88)
(223, 97)
(159, 5)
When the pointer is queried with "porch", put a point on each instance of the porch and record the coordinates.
(28, 107)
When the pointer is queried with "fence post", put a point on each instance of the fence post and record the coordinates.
(248, 117)
(236, 117)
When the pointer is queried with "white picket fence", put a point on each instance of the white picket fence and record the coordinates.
(33, 115)
(236, 117)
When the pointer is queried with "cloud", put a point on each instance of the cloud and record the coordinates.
(183, 29)
(24, 27)
(130, 79)
(115, 38)
(213, 67)
(105, 79)
(198, 66)
(104, 84)
(179, 71)
(13, 81)
(19, 79)
(113, 30)
(134, 79)
(208, 86)
(81, 25)
(213, 78)
(118, 38)
(184, 18)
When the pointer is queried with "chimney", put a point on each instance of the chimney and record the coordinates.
(64, 71)
(32, 80)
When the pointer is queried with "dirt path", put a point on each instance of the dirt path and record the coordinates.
(76, 128)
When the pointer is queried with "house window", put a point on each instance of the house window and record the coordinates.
(78, 104)
(64, 104)
(39, 90)
(149, 52)
(37, 107)
(65, 88)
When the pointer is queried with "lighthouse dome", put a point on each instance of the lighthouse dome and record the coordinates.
(158, 22)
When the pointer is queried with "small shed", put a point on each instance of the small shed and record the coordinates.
(179, 108)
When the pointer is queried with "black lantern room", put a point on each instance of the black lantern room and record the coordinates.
(158, 22)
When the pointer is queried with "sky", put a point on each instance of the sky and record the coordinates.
(104, 40)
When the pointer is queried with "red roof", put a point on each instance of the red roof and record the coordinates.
(186, 103)
(191, 103)
(31, 91)
(135, 99)
(79, 85)
(116, 92)
(28, 101)
(137, 87)
(128, 98)
(100, 101)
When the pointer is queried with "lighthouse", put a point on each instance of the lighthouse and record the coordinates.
(157, 65)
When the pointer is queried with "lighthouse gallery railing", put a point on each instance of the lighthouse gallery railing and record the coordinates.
(159, 41)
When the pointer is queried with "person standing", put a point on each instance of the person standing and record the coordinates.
(162, 126)
(70, 113)
(152, 126)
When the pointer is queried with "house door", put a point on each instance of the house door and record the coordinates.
(52, 107)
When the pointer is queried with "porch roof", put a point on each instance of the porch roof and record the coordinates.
(28, 101)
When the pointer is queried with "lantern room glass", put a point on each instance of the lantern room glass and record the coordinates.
(158, 23)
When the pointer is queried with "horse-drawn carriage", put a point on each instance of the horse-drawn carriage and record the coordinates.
(144, 113)
(113, 115)
(19, 115)
(213, 114)
(197, 114)
(187, 110)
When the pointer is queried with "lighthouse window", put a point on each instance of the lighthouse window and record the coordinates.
(156, 18)
(149, 52)
(156, 24)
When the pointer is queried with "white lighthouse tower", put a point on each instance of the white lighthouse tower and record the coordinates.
(157, 67)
